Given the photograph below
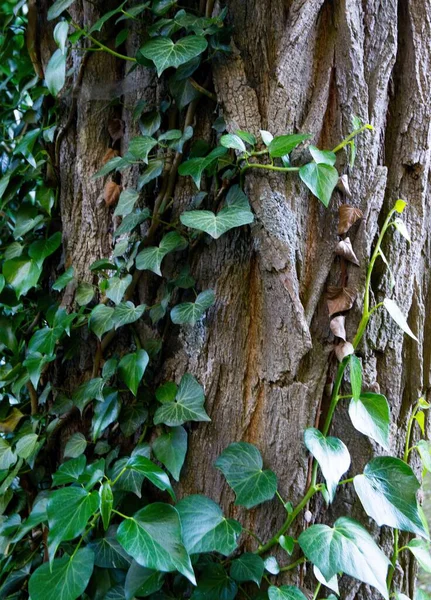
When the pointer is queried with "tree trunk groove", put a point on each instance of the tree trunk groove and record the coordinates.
(264, 352)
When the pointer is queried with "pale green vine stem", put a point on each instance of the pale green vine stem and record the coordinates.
(317, 590)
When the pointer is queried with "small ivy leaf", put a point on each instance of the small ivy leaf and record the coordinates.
(111, 165)
(324, 157)
(332, 584)
(164, 53)
(346, 548)
(141, 581)
(41, 249)
(35, 364)
(233, 141)
(421, 551)
(420, 419)
(106, 503)
(101, 319)
(205, 529)
(100, 22)
(424, 449)
(55, 72)
(285, 592)
(126, 202)
(271, 565)
(131, 369)
(215, 583)
(108, 554)
(284, 144)
(75, 446)
(187, 406)
(131, 221)
(153, 537)
(248, 567)
(400, 206)
(355, 376)
(60, 34)
(7, 455)
(26, 445)
(370, 415)
(88, 391)
(217, 224)
(401, 226)
(287, 543)
(344, 248)
(266, 136)
(166, 392)
(105, 413)
(395, 312)
(246, 137)
(141, 146)
(331, 454)
(84, 293)
(154, 169)
(337, 326)
(387, 490)
(151, 258)
(117, 288)
(144, 466)
(241, 464)
(191, 312)
(127, 312)
(170, 449)
(348, 215)
(21, 274)
(340, 299)
(66, 578)
(321, 179)
(58, 7)
(196, 166)
(388, 266)
(111, 193)
(132, 417)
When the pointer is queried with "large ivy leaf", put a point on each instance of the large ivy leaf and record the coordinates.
(248, 567)
(346, 548)
(66, 580)
(165, 53)
(284, 144)
(387, 490)
(170, 449)
(75, 446)
(395, 312)
(144, 466)
(215, 583)
(131, 369)
(55, 72)
(153, 538)
(190, 312)
(154, 169)
(108, 553)
(235, 214)
(188, 404)
(141, 146)
(371, 416)
(331, 454)
(321, 179)
(151, 258)
(241, 464)
(101, 319)
(285, 592)
(105, 413)
(41, 249)
(205, 529)
(21, 274)
(127, 312)
(141, 581)
(70, 471)
(326, 157)
(117, 287)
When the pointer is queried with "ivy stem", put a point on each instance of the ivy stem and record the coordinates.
(121, 515)
(316, 591)
(350, 137)
(289, 520)
(100, 45)
(293, 565)
(269, 168)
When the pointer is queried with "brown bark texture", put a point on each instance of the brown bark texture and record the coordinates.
(264, 352)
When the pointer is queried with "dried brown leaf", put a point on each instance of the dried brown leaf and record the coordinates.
(111, 193)
(340, 299)
(344, 249)
(110, 153)
(343, 350)
(337, 326)
(116, 129)
(348, 215)
(343, 185)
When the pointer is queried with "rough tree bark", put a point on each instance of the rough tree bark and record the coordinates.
(264, 351)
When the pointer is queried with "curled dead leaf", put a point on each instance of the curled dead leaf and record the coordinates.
(343, 350)
(340, 299)
(343, 185)
(348, 215)
(116, 129)
(337, 326)
(344, 248)
(11, 421)
(111, 193)
(110, 153)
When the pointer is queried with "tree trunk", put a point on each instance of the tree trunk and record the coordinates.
(264, 352)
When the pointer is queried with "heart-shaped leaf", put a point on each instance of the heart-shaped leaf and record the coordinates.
(141, 581)
(144, 466)
(21, 274)
(131, 369)
(151, 258)
(321, 179)
(165, 53)
(284, 144)
(116, 288)
(242, 465)
(421, 551)
(196, 166)
(105, 413)
(191, 312)
(170, 449)
(76, 445)
(187, 406)
(247, 567)
(331, 454)
(233, 141)
(126, 202)
(285, 592)
(371, 416)
(324, 157)
(55, 72)
(395, 312)
(127, 312)
(101, 319)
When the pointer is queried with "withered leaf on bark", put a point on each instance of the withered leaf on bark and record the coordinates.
(348, 215)
(110, 153)
(343, 185)
(343, 350)
(111, 193)
(337, 326)
(344, 249)
(340, 299)
(116, 129)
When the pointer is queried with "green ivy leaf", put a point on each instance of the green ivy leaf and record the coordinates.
(321, 179)
(248, 567)
(395, 312)
(108, 554)
(241, 464)
(55, 72)
(215, 583)
(371, 416)
(191, 312)
(58, 7)
(105, 413)
(141, 581)
(26, 445)
(131, 369)
(205, 529)
(165, 53)
(154, 169)
(129, 480)
(117, 288)
(100, 22)
(76, 445)
(66, 580)
(284, 144)
(84, 293)
(21, 274)
(323, 157)
(106, 503)
(132, 417)
(127, 312)
(70, 471)
(141, 146)
(60, 33)
(41, 249)
(233, 141)
(424, 449)
(287, 543)
(421, 551)
(332, 584)
(196, 166)
(355, 376)
(387, 490)
(151, 258)
(101, 319)
(346, 548)
(285, 592)
(170, 449)
(187, 406)
(88, 391)
(331, 454)
(153, 538)
(7, 455)
(126, 202)
(144, 466)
